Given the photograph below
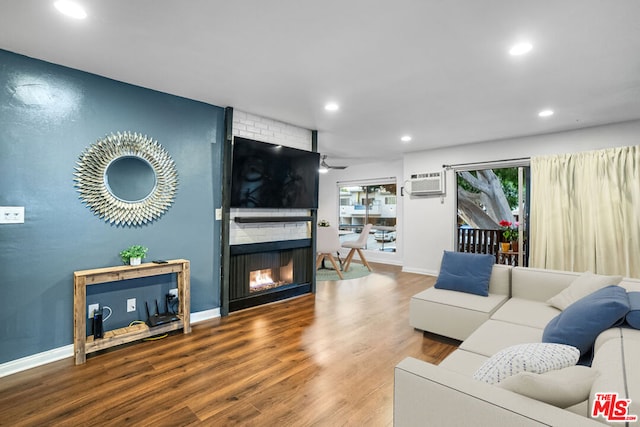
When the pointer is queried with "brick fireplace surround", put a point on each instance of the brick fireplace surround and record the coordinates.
(254, 244)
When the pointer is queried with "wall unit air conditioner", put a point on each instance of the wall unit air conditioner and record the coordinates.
(426, 184)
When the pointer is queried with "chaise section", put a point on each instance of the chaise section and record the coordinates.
(425, 394)
(616, 360)
(457, 314)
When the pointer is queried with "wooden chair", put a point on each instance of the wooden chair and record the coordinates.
(357, 246)
(327, 243)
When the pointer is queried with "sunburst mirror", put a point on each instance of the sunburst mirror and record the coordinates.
(126, 179)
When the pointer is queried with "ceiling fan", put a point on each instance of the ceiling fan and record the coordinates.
(324, 167)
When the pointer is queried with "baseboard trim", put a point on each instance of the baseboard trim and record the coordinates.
(387, 261)
(53, 355)
(35, 360)
(201, 316)
(420, 271)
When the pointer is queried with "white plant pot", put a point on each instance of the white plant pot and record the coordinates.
(135, 261)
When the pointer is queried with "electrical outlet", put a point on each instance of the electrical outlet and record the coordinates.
(174, 292)
(131, 305)
(92, 309)
(11, 214)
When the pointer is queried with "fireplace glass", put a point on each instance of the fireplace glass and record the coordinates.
(269, 278)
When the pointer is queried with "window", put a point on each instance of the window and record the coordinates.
(364, 204)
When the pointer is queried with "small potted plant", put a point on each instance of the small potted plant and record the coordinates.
(509, 232)
(133, 254)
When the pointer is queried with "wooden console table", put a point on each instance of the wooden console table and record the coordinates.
(83, 344)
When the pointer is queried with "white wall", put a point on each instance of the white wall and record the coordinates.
(328, 199)
(429, 223)
(262, 129)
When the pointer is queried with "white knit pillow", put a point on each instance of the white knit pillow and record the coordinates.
(535, 357)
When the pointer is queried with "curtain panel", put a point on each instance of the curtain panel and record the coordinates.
(585, 211)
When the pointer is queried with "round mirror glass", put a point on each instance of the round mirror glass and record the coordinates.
(130, 179)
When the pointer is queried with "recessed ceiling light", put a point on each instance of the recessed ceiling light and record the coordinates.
(405, 138)
(545, 113)
(520, 49)
(332, 106)
(71, 9)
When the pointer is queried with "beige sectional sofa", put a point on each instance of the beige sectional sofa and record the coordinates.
(515, 313)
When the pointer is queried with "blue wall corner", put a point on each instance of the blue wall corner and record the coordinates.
(48, 115)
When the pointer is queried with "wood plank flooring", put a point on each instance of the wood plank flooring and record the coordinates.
(316, 360)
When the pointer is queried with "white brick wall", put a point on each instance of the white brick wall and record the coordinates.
(262, 129)
(249, 125)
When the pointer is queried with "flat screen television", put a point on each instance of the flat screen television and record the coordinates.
(272, 176)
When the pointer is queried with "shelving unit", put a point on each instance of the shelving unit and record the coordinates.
(84, 345)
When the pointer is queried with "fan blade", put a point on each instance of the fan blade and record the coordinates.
(324, 164)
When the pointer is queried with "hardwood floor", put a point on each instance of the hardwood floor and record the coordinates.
(323, 360)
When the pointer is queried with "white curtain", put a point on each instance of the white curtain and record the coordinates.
(585, 212)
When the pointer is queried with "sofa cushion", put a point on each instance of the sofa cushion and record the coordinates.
(584, 285)
(631, 285)
(538, 284)
(500, 282)
(531, 357)
(633, 316)
(561, 387)
(464, 362)
(616, 360)
(462, 299)
(581, 322)
(623, 332)
(493, 336)
(450, 313)
(526, 312)
(465, 272)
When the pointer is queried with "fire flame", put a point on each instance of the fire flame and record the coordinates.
(260, 278)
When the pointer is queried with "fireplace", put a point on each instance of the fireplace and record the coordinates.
(265, 272)
(270, 278)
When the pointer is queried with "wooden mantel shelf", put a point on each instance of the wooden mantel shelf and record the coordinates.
(83, 278)
(259, 219)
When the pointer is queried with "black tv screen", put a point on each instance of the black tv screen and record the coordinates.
(272, 176)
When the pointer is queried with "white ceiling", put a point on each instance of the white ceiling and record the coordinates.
(437, 70)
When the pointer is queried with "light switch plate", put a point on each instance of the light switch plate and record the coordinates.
(11, 214)
(218, 214)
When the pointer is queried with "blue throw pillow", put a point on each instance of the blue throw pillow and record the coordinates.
(633, 316)
(581, 322)
(464, 272)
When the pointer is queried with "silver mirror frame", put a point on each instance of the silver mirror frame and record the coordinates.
(90, 183)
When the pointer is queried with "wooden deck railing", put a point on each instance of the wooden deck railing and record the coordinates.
(484, 241)
(479, 241)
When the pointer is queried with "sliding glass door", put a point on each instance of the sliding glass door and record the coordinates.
(492, 213)
(374, 204)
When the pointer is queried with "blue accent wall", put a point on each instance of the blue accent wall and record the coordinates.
(48, 115)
